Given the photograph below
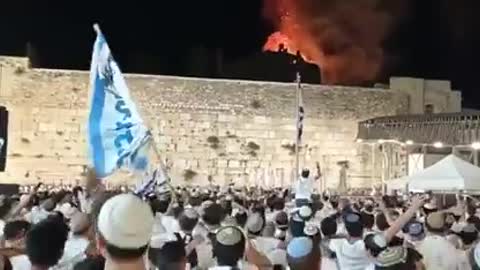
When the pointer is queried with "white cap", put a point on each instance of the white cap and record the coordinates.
(125, 221)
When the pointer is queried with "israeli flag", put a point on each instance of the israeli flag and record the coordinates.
(117, 134)
(155, 183)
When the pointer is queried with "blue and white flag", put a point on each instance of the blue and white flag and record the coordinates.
(156, 183)
(117, 135)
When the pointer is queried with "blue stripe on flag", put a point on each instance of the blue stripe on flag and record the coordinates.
(94, 125)
(117, 134)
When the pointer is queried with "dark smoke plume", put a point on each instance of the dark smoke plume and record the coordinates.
(343, 37)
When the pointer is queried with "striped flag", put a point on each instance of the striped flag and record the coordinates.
(156, 183)
(117, 135)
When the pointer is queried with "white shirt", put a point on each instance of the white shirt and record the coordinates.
(265, 244)
(350, 256)
(73, 253)
(242, 265)
(2, 225)
(37, 214)
(438, 253)
(165, 224)
(303, 188)
(20, 262)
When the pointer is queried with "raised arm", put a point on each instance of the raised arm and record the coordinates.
(401, 221)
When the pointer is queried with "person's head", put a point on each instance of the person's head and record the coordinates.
(160, 205)
(475, 221)
(228, 246)
(14, 233)
(45, 243)
(375, 244)
(240, 217)
(305, 173)
(368, 220)
(91, 263)
(124, 228)
(278, 204)
(381, 222)
(80, 224)
(213, 214)
(353, 225)
(468, 234)
(435, 222)
(430, 207)
(303, 254)
(167, 252)
(188, 220)
(415, 231)
(311, 230)
(305, 212)
(393, 258)
(255, 224)
(328, 226)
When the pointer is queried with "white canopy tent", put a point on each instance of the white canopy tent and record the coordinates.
(449, 174)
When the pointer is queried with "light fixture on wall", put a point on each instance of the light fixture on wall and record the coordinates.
(476, 145)
(409, 142)
(438, 145)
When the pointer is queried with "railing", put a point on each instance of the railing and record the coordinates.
(448, 128)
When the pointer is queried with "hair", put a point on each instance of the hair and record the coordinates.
(309, 262)
(368, 220)
(177, 211)
(468, 238)
(228, 255)
(16, 229)
(241, 219)
(45, 242)
(475, 221)
(170, 257)
(186, 223)
(123, 253)
(213, 214)
(5, 208)
(305, 173)
(91, 263)
(354, 229)
(381, 222)
(328, 226)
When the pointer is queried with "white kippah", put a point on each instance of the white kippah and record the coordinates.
(305, 211)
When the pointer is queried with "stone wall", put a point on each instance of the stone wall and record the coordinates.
(229, 130)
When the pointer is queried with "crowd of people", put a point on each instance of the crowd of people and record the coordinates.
(90, 228)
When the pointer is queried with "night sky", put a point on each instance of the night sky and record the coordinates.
(435, 39)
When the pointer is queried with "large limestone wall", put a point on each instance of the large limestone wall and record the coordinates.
(229, 130)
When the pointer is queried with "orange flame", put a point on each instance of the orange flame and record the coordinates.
(343, 38)
(279, 42)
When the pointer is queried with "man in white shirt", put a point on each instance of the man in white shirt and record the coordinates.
(76, 246)
(351, 253)
(437, 251)
(304, 188)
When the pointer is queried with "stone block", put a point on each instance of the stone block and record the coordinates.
(222, 163)
(233, 164)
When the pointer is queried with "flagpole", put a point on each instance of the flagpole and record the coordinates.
(297, 143)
